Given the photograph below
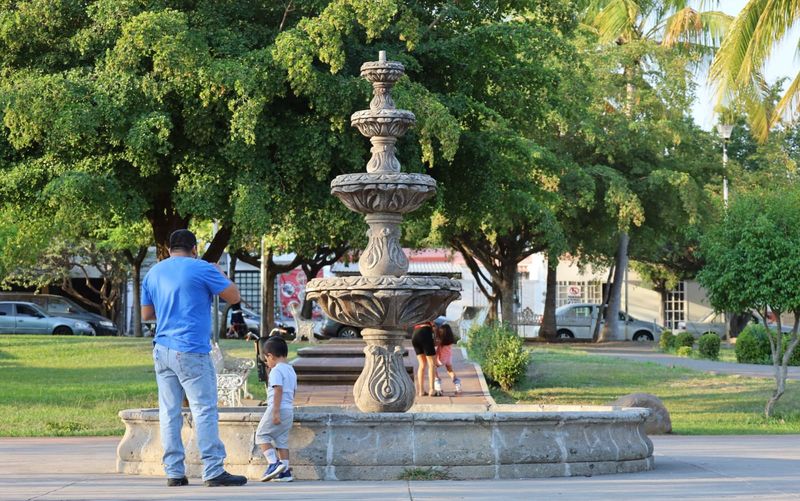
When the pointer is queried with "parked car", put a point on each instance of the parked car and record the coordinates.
(18, 317)
(63, 307)
(576, 321)
(251, 318)
(332, 328)
(714, 323)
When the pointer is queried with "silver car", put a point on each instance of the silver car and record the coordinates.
(578, 321)
(18, 317)
(714, 323)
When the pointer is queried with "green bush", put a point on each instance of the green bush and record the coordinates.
(684, 339)
(708, 345)
(795, 358)
(684, 351)
(667, 341)
(501, 354)
(752, 345)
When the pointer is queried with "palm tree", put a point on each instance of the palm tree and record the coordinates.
(672, 24)
(739, 63)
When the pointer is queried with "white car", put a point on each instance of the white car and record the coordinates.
(577, 321)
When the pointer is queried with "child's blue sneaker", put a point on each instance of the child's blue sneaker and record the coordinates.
(285, 476)
(273, 470)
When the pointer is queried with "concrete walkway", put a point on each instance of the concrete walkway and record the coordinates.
(687, 468)
(646, 352)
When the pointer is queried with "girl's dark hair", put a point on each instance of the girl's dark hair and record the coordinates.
(446, 335)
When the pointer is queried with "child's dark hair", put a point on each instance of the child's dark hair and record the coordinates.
(446, 336)
(274, 345)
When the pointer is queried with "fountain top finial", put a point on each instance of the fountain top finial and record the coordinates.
(382, 56)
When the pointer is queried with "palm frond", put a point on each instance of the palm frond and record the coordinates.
(789, 103)
(617, 19)
(691, 26)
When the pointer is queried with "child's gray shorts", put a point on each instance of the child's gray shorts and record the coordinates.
(277, 434)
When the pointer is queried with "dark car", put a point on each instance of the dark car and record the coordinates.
(62, 307)
(332, 328)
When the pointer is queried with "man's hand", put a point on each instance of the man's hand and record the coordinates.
(276, 418)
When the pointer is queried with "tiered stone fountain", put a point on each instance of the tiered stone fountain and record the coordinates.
(383, 300)
(338, 443)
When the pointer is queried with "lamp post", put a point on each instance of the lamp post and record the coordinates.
(725, 133)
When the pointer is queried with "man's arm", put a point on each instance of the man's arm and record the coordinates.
(148, 312)
(231, 294)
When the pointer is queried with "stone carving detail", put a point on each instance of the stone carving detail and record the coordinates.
(384, 381)
(383, 301)
(382, 283)
(383, 255)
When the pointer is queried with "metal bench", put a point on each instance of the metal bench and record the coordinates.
(232, 375)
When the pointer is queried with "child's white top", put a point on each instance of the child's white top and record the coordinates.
(282, 375)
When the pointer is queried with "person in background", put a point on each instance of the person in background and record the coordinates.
(422, 341)
(444, 341)
(177, 292)
(277, 420)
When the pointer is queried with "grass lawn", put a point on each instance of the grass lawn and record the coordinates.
(68, 386)
(698, 403)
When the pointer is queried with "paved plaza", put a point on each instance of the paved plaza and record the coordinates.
(687, 468)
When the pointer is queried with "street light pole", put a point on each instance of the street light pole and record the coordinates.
(725, 133)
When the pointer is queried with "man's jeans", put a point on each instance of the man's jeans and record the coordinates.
(191, 374)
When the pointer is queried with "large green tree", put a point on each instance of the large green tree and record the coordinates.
(649, 37)
(753, 263)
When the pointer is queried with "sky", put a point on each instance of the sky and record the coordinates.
(783, 63)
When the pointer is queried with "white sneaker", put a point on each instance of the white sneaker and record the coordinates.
(457, 382)
(437, 385)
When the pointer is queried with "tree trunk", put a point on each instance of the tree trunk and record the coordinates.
(611, 331)
(136, 275)
(137, 301)
(218, 244)
(164, 221)
(508, 272)
(548, 330)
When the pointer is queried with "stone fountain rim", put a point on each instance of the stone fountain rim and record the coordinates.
(383, 178)
(383, 65)
(393, 114)
(325, 414)
(383, 283)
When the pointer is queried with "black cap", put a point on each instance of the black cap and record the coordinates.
(182, 239)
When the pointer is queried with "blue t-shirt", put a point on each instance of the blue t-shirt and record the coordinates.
(180, 289)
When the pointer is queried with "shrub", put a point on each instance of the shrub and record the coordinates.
(667, 341)
(708, 345)
(752, 345)
(684, 339)
(794, 360)
(684, 351)
(501, 354)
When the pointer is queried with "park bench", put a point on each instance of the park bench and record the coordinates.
(232, 375)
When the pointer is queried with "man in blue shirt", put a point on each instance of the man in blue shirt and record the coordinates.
(177, 292)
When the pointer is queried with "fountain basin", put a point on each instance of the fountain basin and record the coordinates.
(382, 122)
(371, 193)
(335, 443)
(386, 301)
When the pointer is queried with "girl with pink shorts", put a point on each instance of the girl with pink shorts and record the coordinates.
(444, 341)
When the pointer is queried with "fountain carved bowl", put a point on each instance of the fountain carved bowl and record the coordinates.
(382, 71)
(384, 301)
(369, 193)
(383, 123)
